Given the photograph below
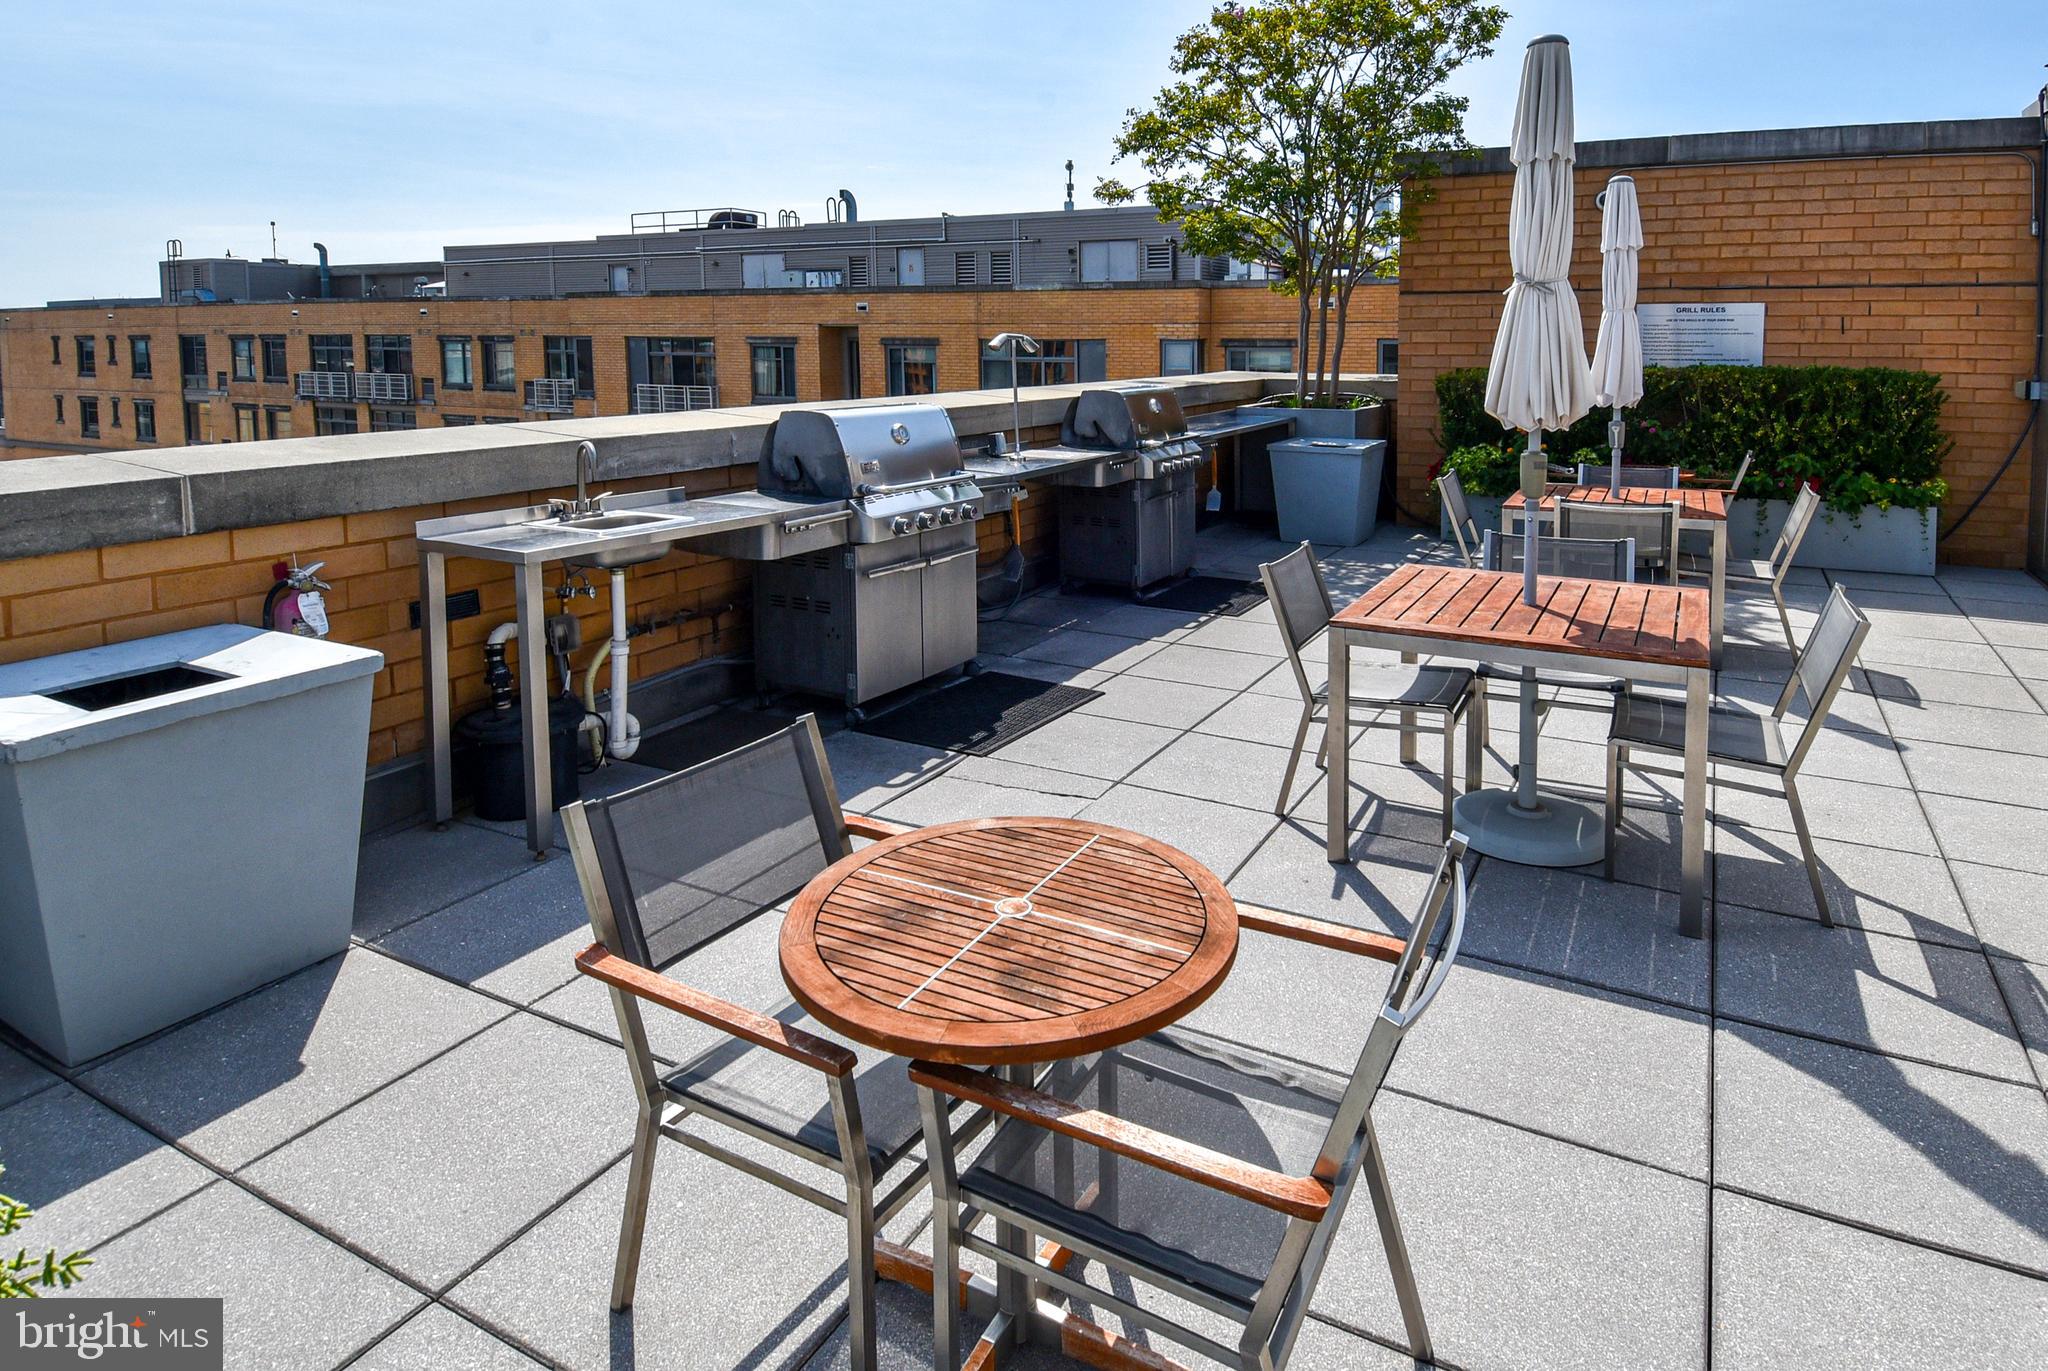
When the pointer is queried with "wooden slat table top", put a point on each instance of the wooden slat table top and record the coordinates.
(994, 941)
(1608, 619)
(1693, 502)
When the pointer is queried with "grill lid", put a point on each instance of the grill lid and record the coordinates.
(1125, 418)
(834, 454)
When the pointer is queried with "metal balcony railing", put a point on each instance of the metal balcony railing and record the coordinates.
(326, 385)
(648, 399)
(552, 397)
(384, 387)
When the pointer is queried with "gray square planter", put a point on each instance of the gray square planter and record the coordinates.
(179, 819)
(1901, 540)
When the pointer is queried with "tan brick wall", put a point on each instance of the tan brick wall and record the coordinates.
(1916, 261)
(1130, 320)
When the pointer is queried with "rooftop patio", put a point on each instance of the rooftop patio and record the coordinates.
(1615, 1146)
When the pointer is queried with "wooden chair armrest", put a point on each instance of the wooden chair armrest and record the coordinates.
(1306, 930)
(1298, 1197)
(820, 1054)
(862, 826)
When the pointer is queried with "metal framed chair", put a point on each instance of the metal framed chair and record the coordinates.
(1595, 559)
(1745, 741)
(1656, 478)
(1772, 570)
(1245, 1160)
(1458, 514)
(1302, 608)
(1741, 473)
(666, 869)
(1653, 527)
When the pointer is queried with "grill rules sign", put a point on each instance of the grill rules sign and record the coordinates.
(1722, 334)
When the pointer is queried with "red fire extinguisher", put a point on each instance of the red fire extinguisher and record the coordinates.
(295, 604)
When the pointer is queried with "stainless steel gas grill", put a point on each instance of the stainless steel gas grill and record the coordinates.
(893, 603)
(1129, 520)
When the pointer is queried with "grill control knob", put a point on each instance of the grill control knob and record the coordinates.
(970, 513)
(946, 514)
(924, 518)
(899, 525)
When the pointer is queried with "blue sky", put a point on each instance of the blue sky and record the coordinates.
(388, 130)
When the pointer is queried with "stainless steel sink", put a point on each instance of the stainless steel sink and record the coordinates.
(616, 522)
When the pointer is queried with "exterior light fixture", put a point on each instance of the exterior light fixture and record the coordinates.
(1015, 342)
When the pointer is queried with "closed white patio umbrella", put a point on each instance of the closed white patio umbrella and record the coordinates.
(1538, 379)
(1618, 352)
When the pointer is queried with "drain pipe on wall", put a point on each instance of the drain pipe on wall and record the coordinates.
(622, 729)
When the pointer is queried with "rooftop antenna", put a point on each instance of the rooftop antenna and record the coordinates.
(273, 238)
(1070, 183)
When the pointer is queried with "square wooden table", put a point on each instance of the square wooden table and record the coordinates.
(1699, 510)
(1639, 632)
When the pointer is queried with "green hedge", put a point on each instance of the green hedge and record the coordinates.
(1863, 435)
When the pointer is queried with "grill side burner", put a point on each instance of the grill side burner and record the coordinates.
(1138, 528)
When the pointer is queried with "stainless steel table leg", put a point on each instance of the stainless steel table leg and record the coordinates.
(1338, 731)
(533, 707)
(1717, 589)
(1016, 1293)
(1407, 721)
(1693, 820)
(434, 673)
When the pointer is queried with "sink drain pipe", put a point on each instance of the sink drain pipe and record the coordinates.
(623, 730)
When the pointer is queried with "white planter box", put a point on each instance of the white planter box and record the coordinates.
(1901, 540)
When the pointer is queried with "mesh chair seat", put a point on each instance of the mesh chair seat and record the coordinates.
(789, 1100)
(1563, 680)
(1229, 1098)
(1420, 687)
(1733, 735)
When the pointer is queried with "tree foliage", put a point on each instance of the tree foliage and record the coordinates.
(25, 1274)
(1304, 133)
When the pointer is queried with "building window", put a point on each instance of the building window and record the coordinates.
(829, 278)
(910, 269)
(275, 368)
(913, 368)
(671, 361)
(333, 352)
(1390, 356)
(243, 352)
(774, 368)
(393, 420)
(569, 360)
(114, 411)
(1180, 356)
(138, 356)
(56, 351)
(1060, 361)
(457, 420)
(60, 407)
(499, 419)
(198, 423)
(389, 354)
(277, 421)
(88, 417)
(145, 421)
(88, 354)
(334, 419)
(498, 369)
(1260, 354)
(245, 423)
(458, 364)
(192, 360)
(621, 278)
(1114, 260)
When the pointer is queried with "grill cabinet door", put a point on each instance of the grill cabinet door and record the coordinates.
(888, 639)
(951, 611)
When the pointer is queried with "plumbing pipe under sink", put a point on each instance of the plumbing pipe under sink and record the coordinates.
(623, 730)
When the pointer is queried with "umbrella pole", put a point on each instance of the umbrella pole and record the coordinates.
(1617, 434)
(1525, 771)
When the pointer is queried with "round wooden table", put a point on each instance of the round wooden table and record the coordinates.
(1004, 941)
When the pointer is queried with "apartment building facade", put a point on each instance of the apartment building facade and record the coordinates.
(663, 319)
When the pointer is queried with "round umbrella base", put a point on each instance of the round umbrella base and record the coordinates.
(1555, 833)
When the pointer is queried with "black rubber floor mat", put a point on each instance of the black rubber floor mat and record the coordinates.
(980, 715)
(1208, 595)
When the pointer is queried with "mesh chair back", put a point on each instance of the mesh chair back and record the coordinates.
(1654, 478)
(1463, 527)
(1804, 506)
(1301, 602)
(1824, 664)
(1432, 950)
(685, 858)
(1735, 486)
(1650, 525)
(1594, 559)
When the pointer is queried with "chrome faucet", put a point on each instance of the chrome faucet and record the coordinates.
(585, 502)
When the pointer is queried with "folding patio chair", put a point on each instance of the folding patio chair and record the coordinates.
(1451, 491)
(1740, 739)
(1656, 478)
(1302, 607)
(669, 867)
(1245, 1160)
(1695, 538)
(1653, 527)
(1772, 570)
(1593, 559)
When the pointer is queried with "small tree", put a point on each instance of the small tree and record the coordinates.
(23, 1275)
(1288, 133)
